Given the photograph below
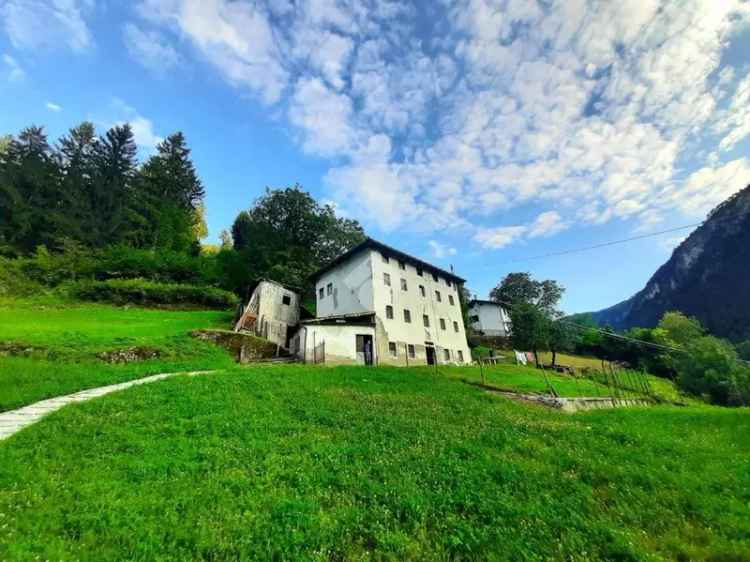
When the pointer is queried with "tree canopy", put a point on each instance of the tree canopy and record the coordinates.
(521, 288)
(288, 235)
(91, 190)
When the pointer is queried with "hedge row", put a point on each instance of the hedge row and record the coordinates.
(141, 291)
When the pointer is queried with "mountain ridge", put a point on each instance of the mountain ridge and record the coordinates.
(707, 276)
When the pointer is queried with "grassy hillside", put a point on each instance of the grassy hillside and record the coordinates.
(352, 463)
(55, 347)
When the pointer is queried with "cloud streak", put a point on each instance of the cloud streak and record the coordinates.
(587, 111)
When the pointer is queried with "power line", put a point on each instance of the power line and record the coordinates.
(603, 244)
(620, 336)
(620, 241)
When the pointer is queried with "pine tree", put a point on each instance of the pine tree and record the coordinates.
(29, 197)
(116, 168)
(170, 195)
(76, 154)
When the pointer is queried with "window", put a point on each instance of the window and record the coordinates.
(438, 297)
(448, 282)
(407, 316)
(321, 293)
(392, 349)
(460, 356)
(442, 323)
(401, 265)
(387, 279)
(389, 312)
(412, 352)
(386, 259)
(434, 278)
(455, 326)
(286, 299)
(419, 271)
(422, 291)
(403, 285)
(329, 289)
(450, 300)
(426, 321)
(447, 354)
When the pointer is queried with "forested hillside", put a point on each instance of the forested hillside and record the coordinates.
(708, 277)
(85, 210)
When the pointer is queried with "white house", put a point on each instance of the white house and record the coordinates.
(271, 311)
(376, 304)
(488, 318)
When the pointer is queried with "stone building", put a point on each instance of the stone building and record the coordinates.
(378, 305)
(272, 312)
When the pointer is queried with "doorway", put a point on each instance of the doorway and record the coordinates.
(430, 350)
(364, 349)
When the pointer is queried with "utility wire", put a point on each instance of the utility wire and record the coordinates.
(619, 336)
(620, 241)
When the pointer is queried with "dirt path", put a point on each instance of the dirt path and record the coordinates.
(13, 421)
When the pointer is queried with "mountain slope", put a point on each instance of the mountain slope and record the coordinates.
(708, 276)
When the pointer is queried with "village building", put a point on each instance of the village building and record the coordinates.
(272, 312)
(488, 318)
(378, 305)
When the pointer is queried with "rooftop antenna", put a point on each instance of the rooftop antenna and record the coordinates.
(451, 268)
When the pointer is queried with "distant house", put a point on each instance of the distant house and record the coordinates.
(272, 312)
(378, 305)
(488, 318)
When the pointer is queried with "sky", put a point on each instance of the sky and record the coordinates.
(472, 133)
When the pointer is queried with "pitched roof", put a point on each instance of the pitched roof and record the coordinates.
(373, 244)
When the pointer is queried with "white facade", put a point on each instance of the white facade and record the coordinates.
(270, 312)
(417, 308)
(331, 344)
(489, 319)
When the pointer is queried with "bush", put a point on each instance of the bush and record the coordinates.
(144, 292)
(710, 368)
(743, 350)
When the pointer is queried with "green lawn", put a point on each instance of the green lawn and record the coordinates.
(350, 463)
(67, 338)
(517, 378)
(77, 329)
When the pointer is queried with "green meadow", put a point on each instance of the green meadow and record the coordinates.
(296, 462)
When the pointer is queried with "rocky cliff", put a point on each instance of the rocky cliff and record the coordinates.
(708, 276)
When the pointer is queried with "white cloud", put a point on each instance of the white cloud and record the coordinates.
(143, 129)
(581, 108)
(709, 186)
(323, 116)
(236, 37)
(548, 223)
(441, 250)
(14, 71)
(143, 132)
(150, 49)
(499, 237)
(35, 24)
(53, 107)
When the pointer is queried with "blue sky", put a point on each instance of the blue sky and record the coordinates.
(472, 133)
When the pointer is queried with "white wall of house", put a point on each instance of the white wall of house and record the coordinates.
(490, 319)
(347, 288)
(331, 344)
(359, 285)
(405, 294)
(277, 310)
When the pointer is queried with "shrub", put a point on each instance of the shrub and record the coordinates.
(743, 350)
(710, 368)
(144, 292)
